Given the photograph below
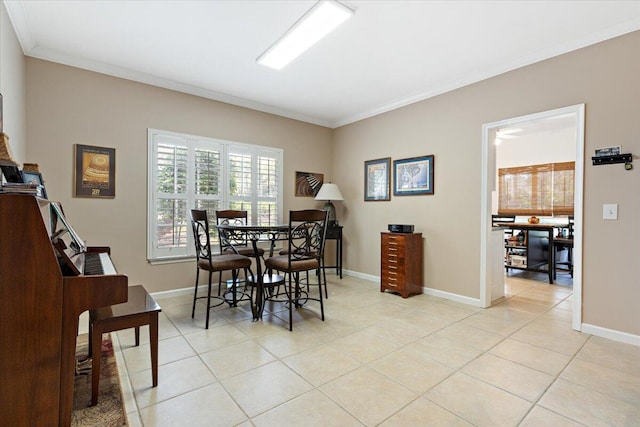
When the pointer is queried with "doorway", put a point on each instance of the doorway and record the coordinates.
(487, 261)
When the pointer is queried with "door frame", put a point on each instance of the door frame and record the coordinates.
(487, 182)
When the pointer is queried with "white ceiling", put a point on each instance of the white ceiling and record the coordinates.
(389, 54)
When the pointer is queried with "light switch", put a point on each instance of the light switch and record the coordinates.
(610, 211)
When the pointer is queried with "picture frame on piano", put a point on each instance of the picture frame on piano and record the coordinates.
(95, 171)
(35, 178)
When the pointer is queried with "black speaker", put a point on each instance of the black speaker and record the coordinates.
(400, 228)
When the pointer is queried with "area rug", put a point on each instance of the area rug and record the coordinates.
(109, 412)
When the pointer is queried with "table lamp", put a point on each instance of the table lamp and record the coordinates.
(329, 192)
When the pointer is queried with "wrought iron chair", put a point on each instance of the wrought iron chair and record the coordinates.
(304, 253)
(214, 263)
(240, 244)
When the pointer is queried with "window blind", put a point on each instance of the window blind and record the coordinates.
(544, 189)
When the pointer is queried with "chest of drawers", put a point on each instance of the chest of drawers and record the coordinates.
(401, 263)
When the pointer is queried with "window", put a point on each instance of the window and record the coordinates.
(545, 189)
(190, 172)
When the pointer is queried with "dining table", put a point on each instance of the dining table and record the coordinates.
(233, 235)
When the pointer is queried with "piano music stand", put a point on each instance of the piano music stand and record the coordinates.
(141, 309)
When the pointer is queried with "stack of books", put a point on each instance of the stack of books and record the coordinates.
(15, 187)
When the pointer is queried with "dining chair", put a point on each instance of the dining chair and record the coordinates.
(562, 243)
(205, 260)
(305, 250)
(237, 244)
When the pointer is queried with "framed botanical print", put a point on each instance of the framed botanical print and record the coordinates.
(377, 183)
(413, 176)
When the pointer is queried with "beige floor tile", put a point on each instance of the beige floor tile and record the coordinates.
(397, 331)
(322, 364)
(422, 412)
(525, 304)
(169, 350)
(365, 346)
(446, 351)
(412, 346)
(470, 336)
(553, 335)
(310, 409)
(541, 417)
(524, 382)
(174, 379)
(501, 322)
(266, 387)
(368, 395)
(185, 324)
(166, 329)
(612, 382)
(236, 359)
(478, 402)
(207, 406)
(412, 368)
(543, 360)
(589, 406)
(215, 337)
(422, 322)
(286, 343)
(612, 354)
(451, 311)
(559, 314)
(268, 325)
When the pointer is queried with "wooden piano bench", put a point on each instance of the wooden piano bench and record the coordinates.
(140, 309)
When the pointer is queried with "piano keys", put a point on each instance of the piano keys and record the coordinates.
(40, 306)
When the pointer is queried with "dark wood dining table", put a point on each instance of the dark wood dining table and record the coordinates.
(231, 234)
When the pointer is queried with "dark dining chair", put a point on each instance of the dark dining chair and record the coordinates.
(565, 243)
(214, 263)
(304, 253)
(237, 244)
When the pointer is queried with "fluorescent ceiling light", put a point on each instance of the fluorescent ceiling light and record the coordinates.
(319, 21)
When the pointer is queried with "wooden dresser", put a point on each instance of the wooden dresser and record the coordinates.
(401, 263)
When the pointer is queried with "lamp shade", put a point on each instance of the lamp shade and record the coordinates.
(5, 151)
(329, 191)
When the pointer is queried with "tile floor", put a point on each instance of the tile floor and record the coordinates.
(379, 359)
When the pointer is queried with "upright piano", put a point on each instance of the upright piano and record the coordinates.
(43, 290)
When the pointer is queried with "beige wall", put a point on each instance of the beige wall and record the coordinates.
(604, 77)
(67, 106)
(12, 87)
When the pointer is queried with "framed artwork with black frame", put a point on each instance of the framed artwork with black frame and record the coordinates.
(95, 172)
(413, 176)
(35, 178)
(377, 182)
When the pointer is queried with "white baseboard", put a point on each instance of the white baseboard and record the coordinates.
(177, 292)
(435, 292)
(453, 297)
(611, 334)
(359, 275)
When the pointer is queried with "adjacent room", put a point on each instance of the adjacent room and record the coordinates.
(426, 216)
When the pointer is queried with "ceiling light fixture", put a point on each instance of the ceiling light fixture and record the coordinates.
(319, 21)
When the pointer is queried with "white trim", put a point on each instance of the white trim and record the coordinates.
(611, 334)
(178, 292)
(359, 275)
(485, 207)
(453, 297)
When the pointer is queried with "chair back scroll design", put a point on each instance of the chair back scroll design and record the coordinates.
(307, 235)
(201, 237)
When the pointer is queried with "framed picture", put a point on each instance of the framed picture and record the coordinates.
(95, 171)
(377, 182)
(413, 176)
(34, 178)
(308, 184)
